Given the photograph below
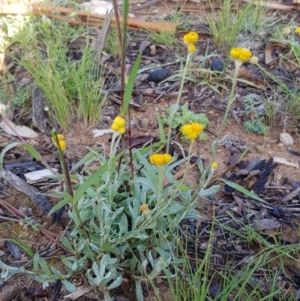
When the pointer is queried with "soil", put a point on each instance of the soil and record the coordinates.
(201, 99)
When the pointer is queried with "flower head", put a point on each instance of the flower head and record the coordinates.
(240, 54)
(297, 30)
(190, 38)
(145, 209)
(191, 48)
(287, 30)
(61, 141)
(119, 125)
(192, 130)
(160, 159)
(254, 60)
(214, 165)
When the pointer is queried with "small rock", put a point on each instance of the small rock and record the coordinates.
(286, 139)
(144, 123)
(158, 75)
(217, 65)
(280, 145)
(148, 91)
(211, 112)
(147, 62)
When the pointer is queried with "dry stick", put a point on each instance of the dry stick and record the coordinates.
(83, 17)
(146, 5)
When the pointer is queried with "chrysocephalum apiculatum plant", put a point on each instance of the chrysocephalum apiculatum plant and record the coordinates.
(125, 212)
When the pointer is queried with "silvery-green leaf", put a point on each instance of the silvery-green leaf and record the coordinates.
(95, 268)
(65, 241)
(69, 286)
(103, 264)
(175, 208)
(141, 248)
(74, 266)
(210, 191)
(56, 272)
(145, 182)
(141, 236)
(66, 262)
(173, 110)
(36, 259)
(138, 291)
(133, 263)
(123, 225)
(144, 264)
(200, 165)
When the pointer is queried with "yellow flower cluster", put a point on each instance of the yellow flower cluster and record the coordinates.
(190, 39)
(241, 54)
(145, 209)
(61, 141)
(214, 165)
(192, 130)
(297, 30)
(119, 125)
(160, 159)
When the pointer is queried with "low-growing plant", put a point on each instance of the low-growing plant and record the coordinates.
(72, 88)
(183, 116)
(126, 206)
(256, 123)
(226, 25)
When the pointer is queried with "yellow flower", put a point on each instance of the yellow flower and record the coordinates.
(214, 165)
(191, 48)
(145, 209)
(61, 141)
(190, 38)
(160, 159)
(240, 54)
(119, 125)
(297, 30)
(192, 130)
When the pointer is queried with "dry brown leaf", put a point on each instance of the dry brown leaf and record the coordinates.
(10, 293)
(271, 51)
(17, 130)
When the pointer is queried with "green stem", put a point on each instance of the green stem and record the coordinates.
(171, 118)
(231, 97)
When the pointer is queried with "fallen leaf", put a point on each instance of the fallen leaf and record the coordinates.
(17, 130)
(272, 51)
(9, 293)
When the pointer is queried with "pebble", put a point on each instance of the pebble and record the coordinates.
(158, 75)
(216, 65)
(144, 123)
(148, 91)
(211, 112)
(286, 139)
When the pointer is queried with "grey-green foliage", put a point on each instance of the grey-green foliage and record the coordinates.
(120, 238)
(183, 116)
(253, 104)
